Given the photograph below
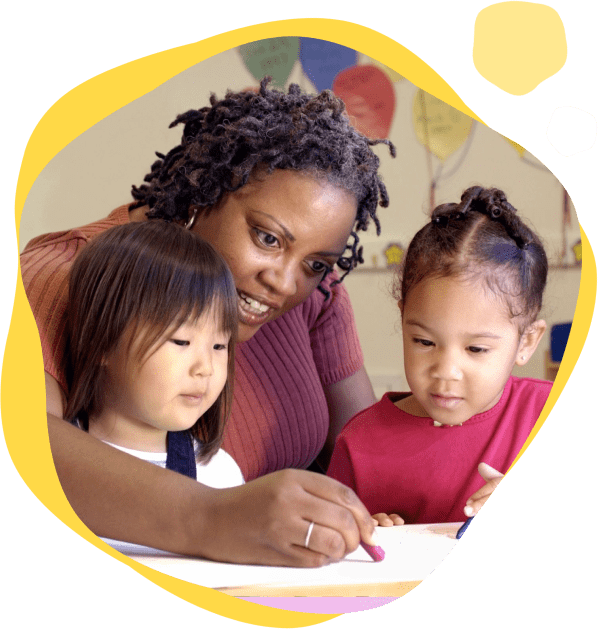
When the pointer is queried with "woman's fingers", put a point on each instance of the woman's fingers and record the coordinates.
(339, 508)
(267, 521)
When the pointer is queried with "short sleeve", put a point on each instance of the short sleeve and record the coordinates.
(45, 265)
(333, 334)
(45, 271)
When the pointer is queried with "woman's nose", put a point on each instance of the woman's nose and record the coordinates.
(281, 278)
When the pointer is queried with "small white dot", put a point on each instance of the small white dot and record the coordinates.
(571, 130)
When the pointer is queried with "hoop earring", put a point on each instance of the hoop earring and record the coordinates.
(189, 224)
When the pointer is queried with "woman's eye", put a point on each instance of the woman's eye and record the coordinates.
(180, 342)
(220, 346)
(318, 267)
(265, 238)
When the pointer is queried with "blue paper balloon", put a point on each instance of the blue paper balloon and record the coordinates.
(322, 60)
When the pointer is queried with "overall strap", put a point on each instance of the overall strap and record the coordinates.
(180, 455)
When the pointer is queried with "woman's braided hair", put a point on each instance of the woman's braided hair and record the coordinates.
(223, 144)
(480, 236)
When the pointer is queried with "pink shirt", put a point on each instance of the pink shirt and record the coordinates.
(399, 463)
(280, 416)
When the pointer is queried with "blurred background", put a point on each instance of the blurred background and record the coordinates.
(440, 152)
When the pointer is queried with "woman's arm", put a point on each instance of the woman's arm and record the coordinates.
(264, 521)
(345, 399)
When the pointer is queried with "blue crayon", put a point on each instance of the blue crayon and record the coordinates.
(463, 528)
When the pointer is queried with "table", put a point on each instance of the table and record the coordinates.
(412, 552)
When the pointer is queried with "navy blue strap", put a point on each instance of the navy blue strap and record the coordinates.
(180, 455)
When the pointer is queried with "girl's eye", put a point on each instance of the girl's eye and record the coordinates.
(220, 346)
(477, 350)
(268, 240)
(317, 266)
(180, 342)
(424, 342)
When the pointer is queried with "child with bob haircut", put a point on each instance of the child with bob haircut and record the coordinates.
(469, 291)
(152, 323)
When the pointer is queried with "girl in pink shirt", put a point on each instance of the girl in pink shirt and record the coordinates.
(469, 292)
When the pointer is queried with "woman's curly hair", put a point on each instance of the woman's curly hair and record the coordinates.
(224, 143)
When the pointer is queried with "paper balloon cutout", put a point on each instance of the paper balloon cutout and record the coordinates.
(322, 60)
(369, 97)
(273, 57)
(438, 126)
(577, 252)
(516, 146)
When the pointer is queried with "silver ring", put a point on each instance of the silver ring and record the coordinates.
(309, 530)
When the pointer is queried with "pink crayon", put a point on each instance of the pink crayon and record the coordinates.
(375, 552)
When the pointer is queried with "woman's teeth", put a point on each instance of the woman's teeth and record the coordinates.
(253, 304)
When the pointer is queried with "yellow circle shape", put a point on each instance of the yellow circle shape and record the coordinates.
(517, 45)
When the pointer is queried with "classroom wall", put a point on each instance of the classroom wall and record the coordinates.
(94, 174)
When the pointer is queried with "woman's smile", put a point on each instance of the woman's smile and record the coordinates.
(279, 234)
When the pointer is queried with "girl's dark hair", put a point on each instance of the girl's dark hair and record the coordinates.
(223, 144)
(481, 235)
(135, 282)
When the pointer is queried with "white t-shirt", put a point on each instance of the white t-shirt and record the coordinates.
(220, 472)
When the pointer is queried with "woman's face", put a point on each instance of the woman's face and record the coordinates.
(279, 234)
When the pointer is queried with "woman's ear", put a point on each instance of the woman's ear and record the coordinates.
(529, 341)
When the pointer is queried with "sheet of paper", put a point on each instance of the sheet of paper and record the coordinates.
(412, 552)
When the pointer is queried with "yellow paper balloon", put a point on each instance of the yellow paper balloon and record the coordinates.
(438, 126)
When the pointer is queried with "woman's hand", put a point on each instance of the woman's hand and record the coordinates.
(267, 521)
(388, 519)
(477, 500)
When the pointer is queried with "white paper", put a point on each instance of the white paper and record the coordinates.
(412, 552)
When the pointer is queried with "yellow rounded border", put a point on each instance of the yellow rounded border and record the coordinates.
(22, 383)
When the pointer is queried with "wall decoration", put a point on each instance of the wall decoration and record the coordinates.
(394, 254)
(322, 60)
(273, 57)
(370, 99)
(438, 126)
(577, 252)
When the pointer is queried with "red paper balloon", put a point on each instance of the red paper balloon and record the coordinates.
(369, 96)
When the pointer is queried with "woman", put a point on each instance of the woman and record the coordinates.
(278, 183)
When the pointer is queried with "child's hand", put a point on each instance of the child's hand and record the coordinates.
(477, 500)
(388, 519)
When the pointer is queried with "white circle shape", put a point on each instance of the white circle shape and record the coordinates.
(571, 130)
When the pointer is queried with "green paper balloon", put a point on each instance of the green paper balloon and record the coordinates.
(273, 57)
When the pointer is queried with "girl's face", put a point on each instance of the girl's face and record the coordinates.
(460, 347)
(278, 234)
(177, 381)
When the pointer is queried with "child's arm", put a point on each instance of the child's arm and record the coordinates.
(388, 519)
(477, 500)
